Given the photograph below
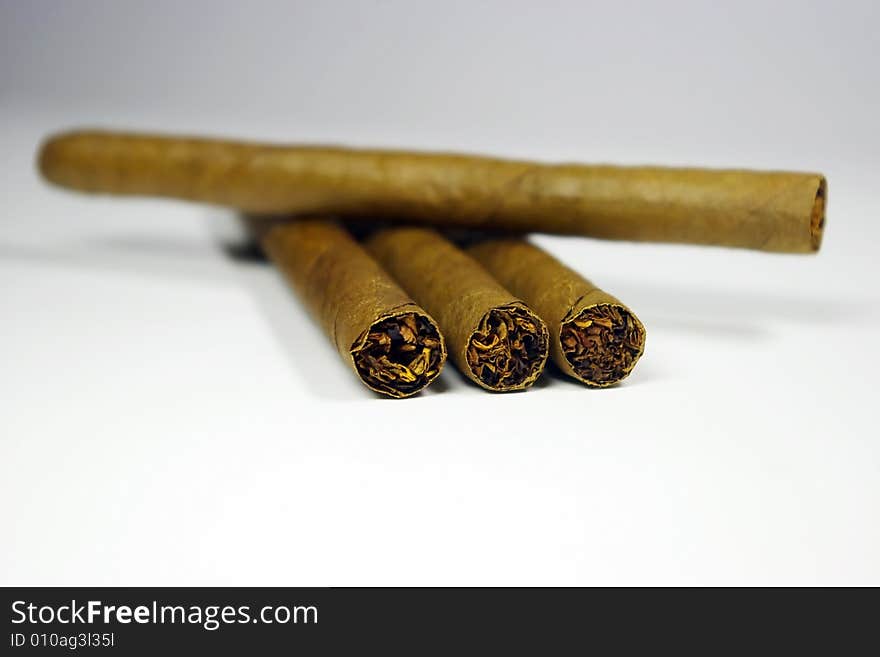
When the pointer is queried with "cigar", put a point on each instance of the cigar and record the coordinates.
(593, 336)
(393, 345)
(494, 338)
(769, 211)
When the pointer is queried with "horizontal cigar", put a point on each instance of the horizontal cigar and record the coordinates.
(494, 338)
(393, 345)
(593, 336)
(769, 211)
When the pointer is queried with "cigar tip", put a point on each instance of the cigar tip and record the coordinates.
(509, 349)
(817, 217)
(400, 354)
(46, 155)
(602, 343)
(54, 152)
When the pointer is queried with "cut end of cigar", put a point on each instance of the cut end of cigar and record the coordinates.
(51, 157)
(817, 218)
(400, 355)
(509, 349)
(602, 343)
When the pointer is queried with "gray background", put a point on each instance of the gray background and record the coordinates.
(169, 416)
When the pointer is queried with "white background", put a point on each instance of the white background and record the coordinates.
(168, 415)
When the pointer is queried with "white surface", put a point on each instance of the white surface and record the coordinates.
(169, 416)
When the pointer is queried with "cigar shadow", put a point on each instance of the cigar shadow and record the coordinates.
(545, 380)
(710, 329)
(555, 377)
(438, 385)
(730, 314)
(147, 258)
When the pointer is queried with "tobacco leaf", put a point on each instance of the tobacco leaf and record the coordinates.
(400, 355)
(602, 343)
(508, 349)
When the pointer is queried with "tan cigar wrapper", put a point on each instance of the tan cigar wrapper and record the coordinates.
(769, 211)
(345, 289)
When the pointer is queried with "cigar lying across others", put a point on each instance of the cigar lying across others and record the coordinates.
(769, 211)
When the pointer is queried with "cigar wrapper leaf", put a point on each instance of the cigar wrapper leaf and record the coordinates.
(391, 343)
(494, 338)
(593, 336)
(769, 211)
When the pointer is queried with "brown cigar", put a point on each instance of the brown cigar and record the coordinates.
(393, 345)
(770, 211)
(494, 338)
(593, 336)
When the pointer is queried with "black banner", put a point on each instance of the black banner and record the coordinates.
(134, 621)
